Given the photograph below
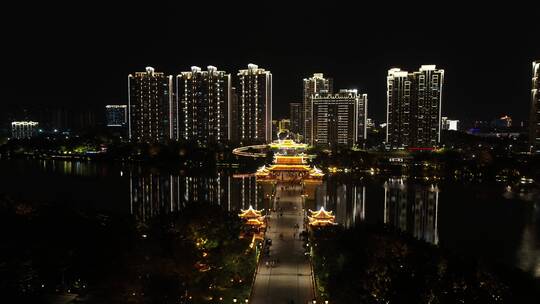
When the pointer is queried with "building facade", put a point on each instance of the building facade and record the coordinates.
(295, 115)
(255, 102)
(234, 116)
(150, 106)
(24, 129)
(313, 85)
(414, 102)
(204, 105)
(534, 120)
(116, 115)
(338, 119)
(449, 124)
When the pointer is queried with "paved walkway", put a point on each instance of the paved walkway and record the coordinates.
(291, 278)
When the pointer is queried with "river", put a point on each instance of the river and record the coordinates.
(487, 221)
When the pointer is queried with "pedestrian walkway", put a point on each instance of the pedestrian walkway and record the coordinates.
(290, 280)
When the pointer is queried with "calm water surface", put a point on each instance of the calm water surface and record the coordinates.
(484, 220)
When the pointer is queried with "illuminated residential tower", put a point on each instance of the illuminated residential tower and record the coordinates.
(313, 85)
(150, 105)
(204, 108)
(255, 102)
(116, 115)
(24, 129)
(338, 119)
(414, 108)
(295, 115)
(534, 129)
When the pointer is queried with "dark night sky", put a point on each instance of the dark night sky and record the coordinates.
(81, 54)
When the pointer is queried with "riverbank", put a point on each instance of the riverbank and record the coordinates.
(56, 250)
(378, 264)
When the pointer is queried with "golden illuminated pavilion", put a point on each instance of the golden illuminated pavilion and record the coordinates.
(253, 217)
(290, 157)
(287, 144)
(321, 218)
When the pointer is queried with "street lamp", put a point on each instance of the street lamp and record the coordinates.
(234, 300)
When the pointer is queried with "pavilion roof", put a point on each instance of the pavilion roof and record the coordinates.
(315, 222)
(321, 218)
(322, 214)
(251, 213)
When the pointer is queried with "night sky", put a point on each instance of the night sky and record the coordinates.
(81, 54)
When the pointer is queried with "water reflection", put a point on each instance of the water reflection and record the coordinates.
(152, 194)
(346, 199)
(412, 208)
(486, 220)
(73, 168)
(528, 253)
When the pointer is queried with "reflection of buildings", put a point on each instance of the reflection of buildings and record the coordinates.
(528, 255)
(346, 199)
(154, 194)
(412, 208)
(245, 191)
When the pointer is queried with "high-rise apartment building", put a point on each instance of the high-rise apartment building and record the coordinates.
(204, 104)
(295, 115)
(534, 127)
(338, 119)
(313, 85)
(234, 116)
(255, 101)
(150, 106)
(24, 129)
(116, 115)
(414, 108)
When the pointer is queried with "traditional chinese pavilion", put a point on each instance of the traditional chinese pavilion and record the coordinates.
(321, 218)
(290, 158)
(253, 217)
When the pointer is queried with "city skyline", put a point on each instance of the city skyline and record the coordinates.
(245, 152)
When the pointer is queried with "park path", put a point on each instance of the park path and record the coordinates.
(290, 280)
